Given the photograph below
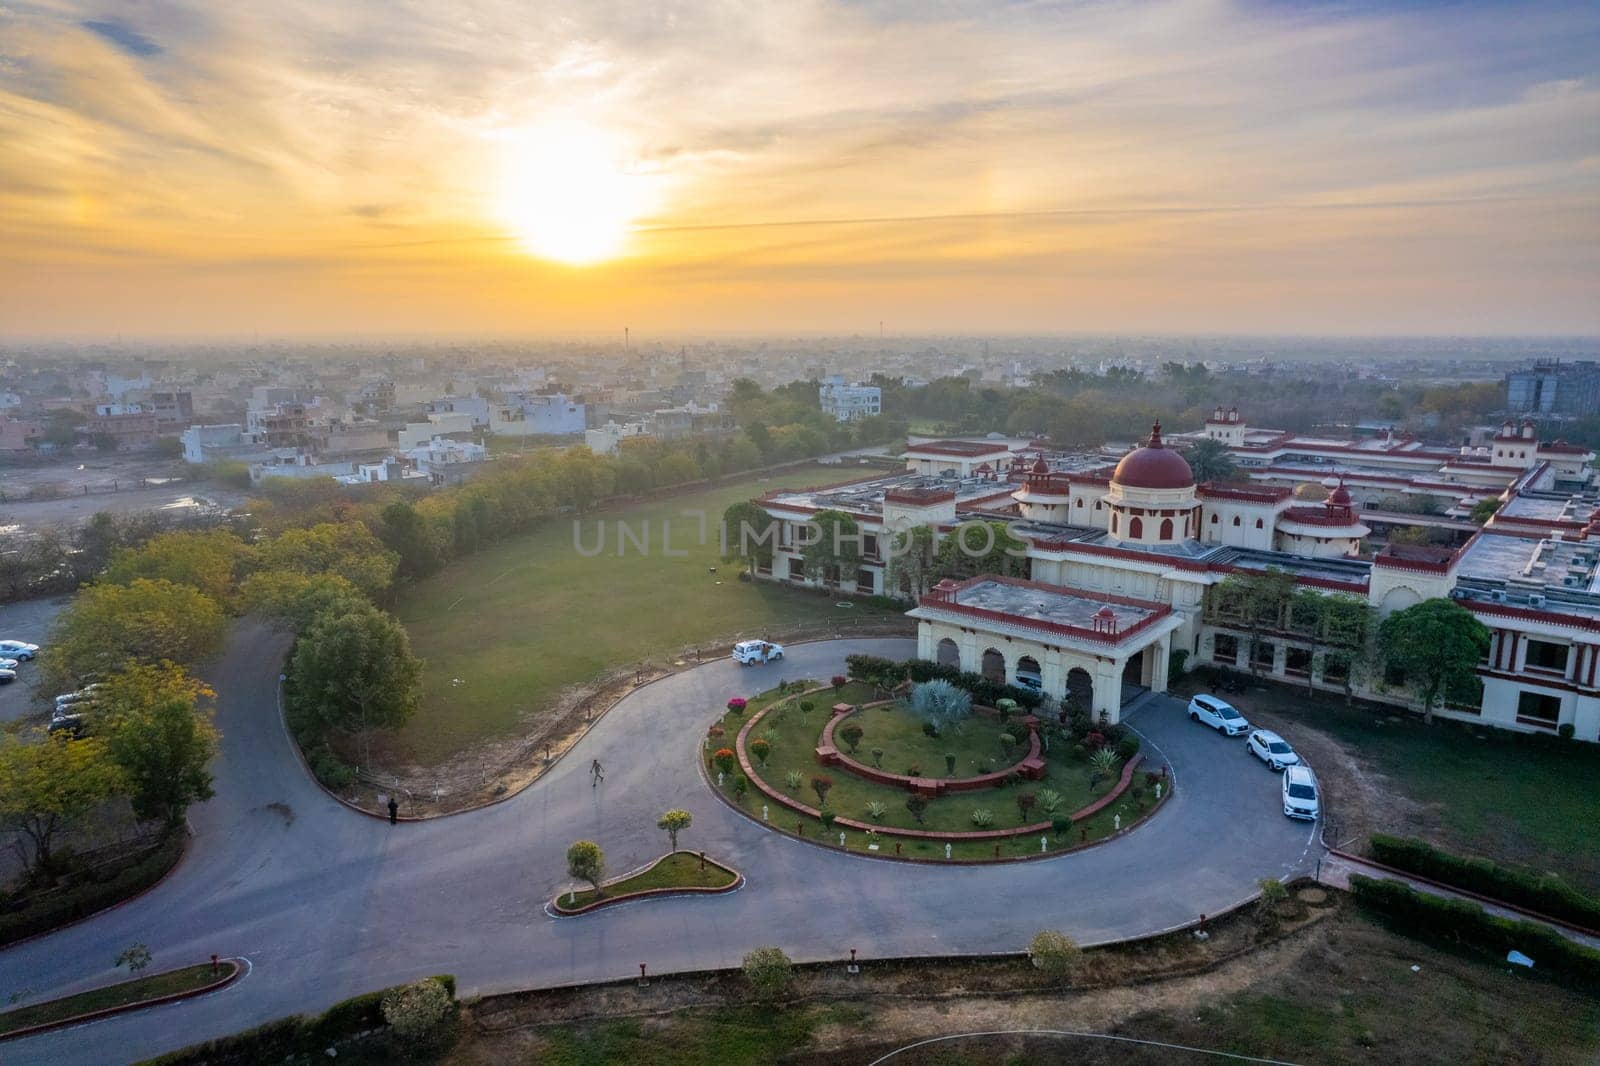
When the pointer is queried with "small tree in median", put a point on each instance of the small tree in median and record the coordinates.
(917, 806)
(1273, 893)
(725, 760)
(820, 784)
(769, 972)
(851, 734)
(587, 862)
(1025, 803)
(1054, 954)
(674, 822)
(761, 748)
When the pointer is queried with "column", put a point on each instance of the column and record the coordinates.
(1161, 650)
(1108, 689)
(927, 646)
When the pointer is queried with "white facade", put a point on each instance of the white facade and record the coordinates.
(849, 403)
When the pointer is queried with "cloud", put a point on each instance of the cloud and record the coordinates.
(123, 36)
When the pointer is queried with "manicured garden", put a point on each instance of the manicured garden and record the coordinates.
(138, 990)
(679, 870)
(1080, 765)
(505, 630)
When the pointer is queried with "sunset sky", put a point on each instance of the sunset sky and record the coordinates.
(499, 167)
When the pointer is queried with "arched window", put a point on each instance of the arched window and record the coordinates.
(1113, 520)
(1097, 505)
(1166, 529)
(1136, 528)
(1079, 503)
(1213, 519)
(1235, 519)
(1258, 523)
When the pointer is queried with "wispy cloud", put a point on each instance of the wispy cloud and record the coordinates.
(1216, 164)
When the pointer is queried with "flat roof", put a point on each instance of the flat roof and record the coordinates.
(1066, 607)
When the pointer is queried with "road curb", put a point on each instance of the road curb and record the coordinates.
(555, 908)
(106, 1012)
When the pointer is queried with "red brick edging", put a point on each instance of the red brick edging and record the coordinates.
(123, 1008)
(951, 836)
(562, 911)
(1030, 766)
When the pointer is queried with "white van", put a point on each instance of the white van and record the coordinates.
(1301, 797)
(1218, 714)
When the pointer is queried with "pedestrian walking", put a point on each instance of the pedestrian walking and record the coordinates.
(596, 774)
(394, 811)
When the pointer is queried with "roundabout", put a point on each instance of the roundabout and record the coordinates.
(328, 903)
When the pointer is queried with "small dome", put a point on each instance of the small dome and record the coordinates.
(1040, 466)
(1310, 490)
(1105, 614)
(1340, 497)
(1153, 466)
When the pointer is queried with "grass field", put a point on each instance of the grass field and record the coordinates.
(681, 869)
(137, 990)
(505, 630)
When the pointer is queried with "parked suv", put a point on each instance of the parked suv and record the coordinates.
(1301, 797)
(1218, 714)
(1271, 749)
(756, 651)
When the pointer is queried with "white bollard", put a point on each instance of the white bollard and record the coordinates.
(1158, 790)
(841, 840)
(1116, 821)
(1042, 843)
(947, 851)
(719, 778)
(763, 812)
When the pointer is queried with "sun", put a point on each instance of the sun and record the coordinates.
(567, 193)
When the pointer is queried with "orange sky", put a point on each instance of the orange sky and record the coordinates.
(327, 167)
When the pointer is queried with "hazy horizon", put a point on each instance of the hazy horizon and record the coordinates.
(488, 169)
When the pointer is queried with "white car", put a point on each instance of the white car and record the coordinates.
(8, 664)
(1300, 793)
(1271, 749)
(756, 651)
(1031, 682)
(18, 649)
(67, 699)
(7, 676)
(1218, 714)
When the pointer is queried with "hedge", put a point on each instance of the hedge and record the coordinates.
(1462, 921)
(295, 1035)
(42, 913)
(888, 673)
(1545, 893)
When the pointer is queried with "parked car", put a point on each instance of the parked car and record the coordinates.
(67, 723)
(67, 699)
(1031, 682)
(1218, 714)
(1271, 749)
(18, 649)
(756, 651)
(8, 664)
(1300, 793)
(7, 676)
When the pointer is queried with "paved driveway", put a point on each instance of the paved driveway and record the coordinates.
(326, 903)
(28, 620)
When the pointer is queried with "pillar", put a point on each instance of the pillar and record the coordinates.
(1108, 689)
(1159, 654)
(927, 642)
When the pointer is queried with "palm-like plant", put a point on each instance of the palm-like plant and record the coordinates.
(1103, 763)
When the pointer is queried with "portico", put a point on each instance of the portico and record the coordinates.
(1073, 640)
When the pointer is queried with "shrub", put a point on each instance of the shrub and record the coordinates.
(1546, 894)
(839, 681)
(330, 769)
(852, 733)
(737, 705)
(1050, 800)
(950, 763)
(827, 818)
(1128, 747)
(418, 1013)
(873, 669)
(982, 818)
(1025, 803)
(1007, 743)
(725, 760)
(760, 748)
(1454, 920)
(807, 706)
(716, 732)
(917, 806)
(29, 916)
(876, 810)
(1565, 730)
(1061, 825)
(1054, 954)
(792, 779)
(1104, 764)
(741, 785)
(1080, 752)
(1273, 893)
(939, 703)
(820, 784)
(769, 972)
(877, 758)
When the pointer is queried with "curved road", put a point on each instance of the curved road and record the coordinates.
(326, 903)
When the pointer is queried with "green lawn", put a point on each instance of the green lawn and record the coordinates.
(504, 631)
(143, 988)
(793, 735)
(678, 870)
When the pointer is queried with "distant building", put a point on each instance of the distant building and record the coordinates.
(1554, 389)
(19, 434)
(606, 439)
(553, 415)
(849, 403)
(174, 410)
(221, 443)
(448, 462)
(129, 424)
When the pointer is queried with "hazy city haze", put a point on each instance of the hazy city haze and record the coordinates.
(300, 167)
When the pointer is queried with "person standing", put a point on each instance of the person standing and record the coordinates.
(394, 811)
(596, 774)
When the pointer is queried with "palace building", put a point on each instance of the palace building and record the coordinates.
(1121, 563)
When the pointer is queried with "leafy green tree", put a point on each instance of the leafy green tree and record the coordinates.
(586, 862)
(347, 549)
(1262, 598)
(1436, 645)
(139, 688)
(162, 752)
(48, 782)
(979, 547)
(833, 540)
(1484, 509)
(419, 1014)
(297, 599)
(144, 621)
(351, 671)
(769, 972)
(674, 822)
(206, 560)
(406, 533)
(749, 534)
(1211, 461)
(912, 554)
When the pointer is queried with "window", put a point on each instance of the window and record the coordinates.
(869, 546)
(1297, 661)
(1258, 523)
(1235, 519)
(1537, 708)
(1136, 527)
(797, 569)
(1263, 654)
(864, 582)
(1097, 505)
(1113, 521)
(1543, 655)
(1079, 503)
(1213, 519)
(1225, 649)
(1166, 529)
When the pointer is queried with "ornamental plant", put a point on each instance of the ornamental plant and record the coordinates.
(716, 732)
(419, 1013)
(1050, 800)
(1007, 744)
(792, 779)
(738, 704)
(1103, 763)
(851, 733)
(917, 806)
(760, 748)
(877, 758)
(769, 971)
(1025, 803)
(1054, 954)
(826, 817)
(820, 784)
(839, 682)
(950, 764)
(982, 817)
(876, 810)
(741, 785)
(939, 703)
(807, 706)
(725, 760)
(1094, 739)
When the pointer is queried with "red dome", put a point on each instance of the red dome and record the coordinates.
(1339, 497)
(1040, 466)
(1153, 466)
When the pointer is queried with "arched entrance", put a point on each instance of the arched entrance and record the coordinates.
(994, 666)
(1029, 675)
(1080, 691)
(948, 654)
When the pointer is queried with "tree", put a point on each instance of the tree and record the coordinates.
(347, 549)
(49, 781)
(852, 733)
(1054, 954)
(749, 534)
(586, 862)
(1273, 893)
(1436, 645)
(761, 749)
(135, 957)
(140, 687)
(674, 822)
(418, 1012)
(820, 784)
(297, 599)
(352, 670)
(769, 972)
(1211, 461)
(833, 541)
(1261, 598)
(410, 536)
(917, 806)
(144, 621)
(911, 561)
(162, 752)
(939, 703)
(202, 560)
(1485, 509)
(977, 547)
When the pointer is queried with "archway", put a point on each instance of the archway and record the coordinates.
(994, 666)
(948, 654)
(1028, 667)
(1080, 691)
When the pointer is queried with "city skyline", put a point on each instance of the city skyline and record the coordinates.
(478, 169)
